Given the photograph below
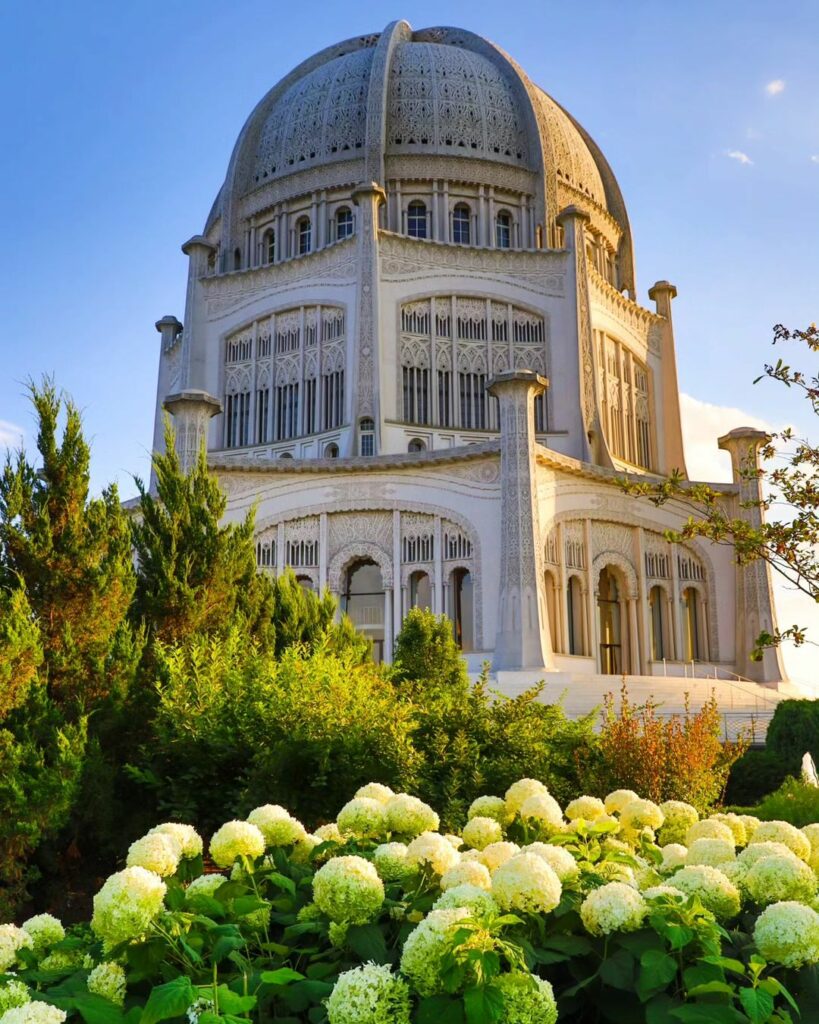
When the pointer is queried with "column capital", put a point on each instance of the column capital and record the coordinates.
(748, 437)
(191, 397)
(661, 293)
(528, 378)
(197, 242)
(368, 190)
(167, 323)
(572, 213)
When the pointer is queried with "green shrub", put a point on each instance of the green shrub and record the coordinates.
(793, 802)
(793, 732)
(756, 773)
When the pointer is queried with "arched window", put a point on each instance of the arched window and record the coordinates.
(416, 445)
(692, 638)
(366, 436)
(286, 455)
(656, 622)
(270, 246)
(461, 224)
(461, 608)
(550, 588)
(503, 230)
(609, 611)
(363, 601)
(304, 582)
(344, 222)
(417, 219)
(331, 451)
(420, 590)
(574, 615)
(304, 235)
(237, 259)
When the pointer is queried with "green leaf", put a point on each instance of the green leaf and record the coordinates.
(483, 1005)
(96, 1009)
(231, 1002)
(657, 970)
(440, 1010)
(618, 970)
(169, 1000)
(757, 1003)
(302, 994)
(367, 942)
(727, 963)
(174, 894)
(247, 904)
(711, 988)
(283, 882)
(710, 1014)
(281, 976)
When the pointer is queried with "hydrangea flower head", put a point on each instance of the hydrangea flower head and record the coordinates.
(520, 791)
(527, 999)
(788, 933)
(783, 832)
(236, 839)
(708, 828)
(614, 907)
(390, 860)
(495, 854)
(679, 817)
(204, 885)
(34, 1013)
(277, 825)
(433, 852)
(775, 879)
(527, 884)
(639, 814)
(13, 993)
(713, 888)
(711, 851)
(557, 857)
(348, 890)
(126, 905)
(490, 807)
(479, 832)
(409, 816)
(467, 872)
(108, 980)
(425, 948)
(620, 798)
(543, 810)
(362, 817)
(375, 791)
(476, 899)
(674, 856)
(369, 993)
(155, 852)
(585, 808)
(187, 838)
(45, 931)
(736, 825)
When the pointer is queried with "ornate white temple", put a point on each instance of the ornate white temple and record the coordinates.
(413, 339)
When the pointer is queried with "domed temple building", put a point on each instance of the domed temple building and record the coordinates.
(413, 339)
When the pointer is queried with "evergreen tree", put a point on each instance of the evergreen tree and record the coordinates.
(427, 658)
(71, 553)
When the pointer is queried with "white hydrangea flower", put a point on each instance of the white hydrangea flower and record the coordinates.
(35, 1012)
(490, 807)
(711, 851)
(126, 905)
(453, 840)
(756, 851)
(425, 948)
(713, 888)
(431, 851)
(639, 814)
(236, 839)
(362, 817)
(479, 832)
(654, 892)
(527, 884)
(614, 907)
(12, 994)
(674, 856)
(409, 816)
(779, 879)
(783, 832)
(519, 792)
(544, 811)
(187, 838)
(204, 885)
(679, 817)
(751, 824)
(277, 825)
(559, 859)
(527, 999)
(736, 825)
(375, 791)
(390, 860)
(155, 852)
(466, 872)
(45, 931)
(348, 890)
(613, 871)
(300, 854)
(708, 828)
(585, 808)
(495, 854)
(369, 994)
(473, 897)
(108, 980)
(620, 798)
(788, 933)
(329, 833)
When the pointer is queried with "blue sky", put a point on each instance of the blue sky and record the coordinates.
(118, 121)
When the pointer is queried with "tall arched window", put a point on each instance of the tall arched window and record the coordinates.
(416, 445)
(304, 235)
(461, 224)
(420, 590)
(550, 587)
(237, 259)
(461, 608)
(609, 611)
(503, 230)
(366, 436)
(363, 601)
(331, 451)
(417, 219)
(656, 621)
(692, 639)
(270, 246)
(344, 222)
(574, 615)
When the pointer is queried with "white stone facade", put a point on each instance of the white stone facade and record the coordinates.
(411, 243)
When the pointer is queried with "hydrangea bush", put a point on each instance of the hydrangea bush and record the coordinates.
(607, 910)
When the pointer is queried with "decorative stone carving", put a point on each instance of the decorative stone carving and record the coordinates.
(352, 552)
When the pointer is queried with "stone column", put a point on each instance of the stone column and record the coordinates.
(755, 609)
(522, 640)
(665, 402)
(388, 625)
(365, 370)
(170, 368)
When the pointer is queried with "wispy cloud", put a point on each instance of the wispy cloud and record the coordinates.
(739, 156)
(775, 87)
(815, 158)
(11, 436)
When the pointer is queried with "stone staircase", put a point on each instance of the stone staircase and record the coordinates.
(745, 706)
